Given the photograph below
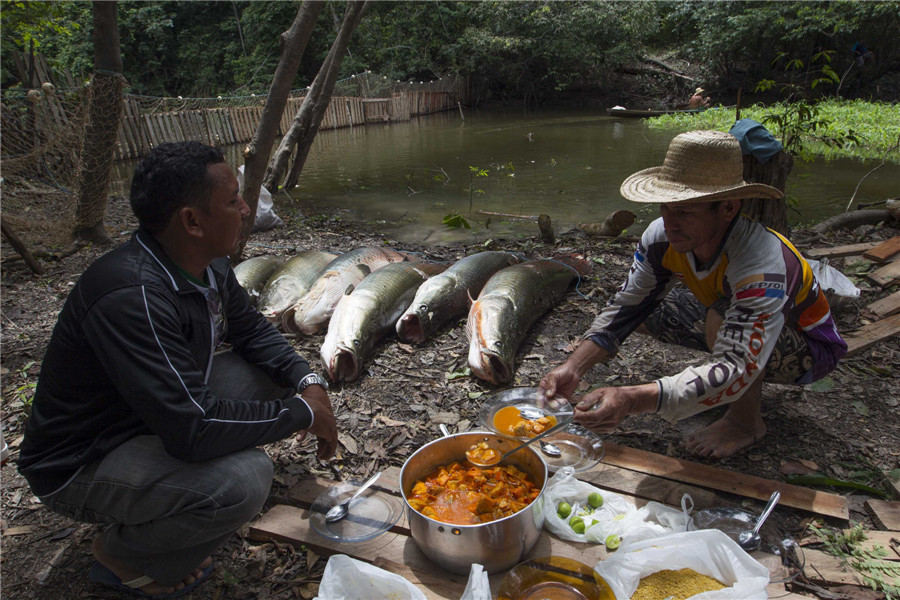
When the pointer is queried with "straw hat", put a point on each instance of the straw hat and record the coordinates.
(699, 90)
(700, 166)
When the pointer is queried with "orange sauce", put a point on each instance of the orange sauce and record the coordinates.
(508, 422)
(465, 495)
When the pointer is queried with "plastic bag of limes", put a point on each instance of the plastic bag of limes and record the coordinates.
(578, 511)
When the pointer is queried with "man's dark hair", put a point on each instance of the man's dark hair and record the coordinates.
(171, 176)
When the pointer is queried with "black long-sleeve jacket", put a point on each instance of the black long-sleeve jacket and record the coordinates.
(130, 355)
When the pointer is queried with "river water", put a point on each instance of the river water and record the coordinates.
(407, 176)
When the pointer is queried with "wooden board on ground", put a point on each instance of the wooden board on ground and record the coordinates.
(825, 568)
(885, 250)
(889, 540)
(887, 306)
(839, 251)
(707, 476)
(886, 514)
(886, 275)
(871, 334)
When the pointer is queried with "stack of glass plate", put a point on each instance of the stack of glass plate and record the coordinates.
(371, 514)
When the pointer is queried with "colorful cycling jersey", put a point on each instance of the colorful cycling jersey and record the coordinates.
(766, 284)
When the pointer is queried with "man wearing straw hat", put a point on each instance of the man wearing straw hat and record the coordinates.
(748, 298)
(697, 100)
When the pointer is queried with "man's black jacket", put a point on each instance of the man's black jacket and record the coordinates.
(130, 355)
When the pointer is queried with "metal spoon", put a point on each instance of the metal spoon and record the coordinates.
(339, 511)
(749, 540)
(531, 413)
(562, 422)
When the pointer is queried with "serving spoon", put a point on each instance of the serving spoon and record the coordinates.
(749, 540)
(339, 511)
(561, 422)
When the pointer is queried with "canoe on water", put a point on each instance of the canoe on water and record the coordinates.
(642, 114)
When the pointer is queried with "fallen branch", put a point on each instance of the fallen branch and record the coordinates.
(883, 162)
(508, 215)
(849, 220)
(20, 247)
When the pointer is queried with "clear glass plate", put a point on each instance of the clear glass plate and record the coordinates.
(779, 553)
(531, 399)
(549, 577)
(370, 515)
(580, 449)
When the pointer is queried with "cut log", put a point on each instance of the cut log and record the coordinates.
(885, 250)
(871, 334)
(886, 514)
(886, 275)
(546, 227)
(849, 220)
(822, 503)
(839, 251)
(887, 306)
(612, 226)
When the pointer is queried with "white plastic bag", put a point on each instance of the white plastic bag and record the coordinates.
(265, 213)
(615, 516)
(709, 552)
(832, 280)
(346, 578)
(478, 587)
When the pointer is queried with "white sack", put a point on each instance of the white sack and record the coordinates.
(265, 213)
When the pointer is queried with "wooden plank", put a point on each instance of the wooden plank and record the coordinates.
(839, 251)
(873, 538)
(886, 514)
(397, 552)
(884, 251)
(871, 334)
(886, 275)
(825, 568)
(887, 306)
(715, 478)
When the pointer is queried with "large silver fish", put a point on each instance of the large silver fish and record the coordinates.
(288, 284)
(367, 314)
(253, 274)
(447, 296)
(510, 302)
(311, 313)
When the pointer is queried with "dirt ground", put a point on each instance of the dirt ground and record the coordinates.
(846, 427)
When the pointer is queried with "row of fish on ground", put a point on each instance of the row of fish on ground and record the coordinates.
(365, 294)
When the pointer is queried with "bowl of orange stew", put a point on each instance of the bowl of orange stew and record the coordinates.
(521, 413)
(460, 514)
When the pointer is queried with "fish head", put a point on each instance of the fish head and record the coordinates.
(341, 360)
(492, 340)
(415, 325)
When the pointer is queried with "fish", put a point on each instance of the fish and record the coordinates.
(508, 305)
(288, 284)
(448, 295)
(311, 312)
(254, 273)
(366, 315)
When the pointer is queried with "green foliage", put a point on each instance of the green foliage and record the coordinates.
(873, 124)
(879, 574)
(456, 221)
(473, 173)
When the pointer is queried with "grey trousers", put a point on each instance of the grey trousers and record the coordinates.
(166, 515)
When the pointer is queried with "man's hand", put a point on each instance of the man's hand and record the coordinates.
(324, 424)
(561, 381)
(604, 408)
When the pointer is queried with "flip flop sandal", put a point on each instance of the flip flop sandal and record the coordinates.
(99, 573)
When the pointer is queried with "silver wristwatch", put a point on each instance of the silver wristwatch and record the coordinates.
(312, 378)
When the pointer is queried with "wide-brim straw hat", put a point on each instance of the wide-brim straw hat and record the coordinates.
(699, 90)
(700, 166)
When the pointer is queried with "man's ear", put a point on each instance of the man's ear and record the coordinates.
(730, 208)
(188, 216)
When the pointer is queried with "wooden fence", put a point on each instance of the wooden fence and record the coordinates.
(141, 131)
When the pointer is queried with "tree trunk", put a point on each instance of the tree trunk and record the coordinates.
(256, 155)
(306, 123)
(771, 213)
(102, 127)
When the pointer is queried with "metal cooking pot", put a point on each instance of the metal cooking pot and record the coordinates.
(497, 545)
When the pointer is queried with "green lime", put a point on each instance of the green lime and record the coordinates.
(564, 509)
(595, 500)
(585, 510)
(613, 541)
(577, 524)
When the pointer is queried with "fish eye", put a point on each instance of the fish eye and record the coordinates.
(498, 344)
(423, 306)
(356, 343)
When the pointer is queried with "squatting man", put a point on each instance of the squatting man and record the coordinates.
(140, 421)
(706, 277)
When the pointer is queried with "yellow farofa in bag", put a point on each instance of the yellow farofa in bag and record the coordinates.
(680, 584)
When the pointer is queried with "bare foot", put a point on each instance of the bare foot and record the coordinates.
(128, 574)
(724, 438)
